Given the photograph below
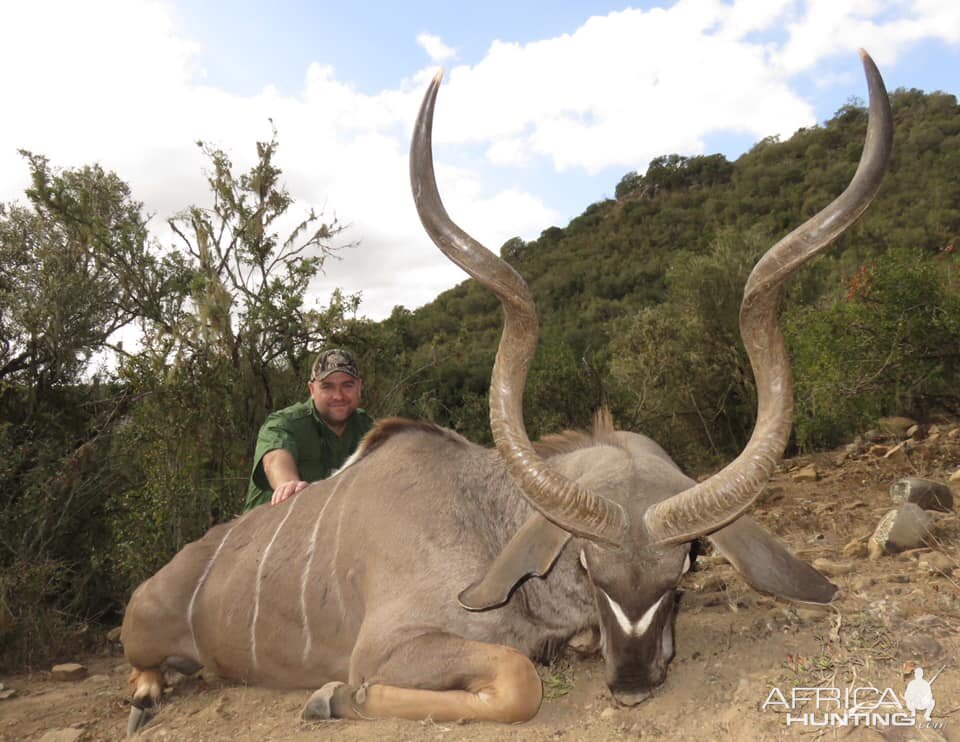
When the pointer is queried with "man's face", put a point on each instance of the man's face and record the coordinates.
(336, 397)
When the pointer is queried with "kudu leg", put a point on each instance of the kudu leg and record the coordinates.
(147, 687)
(440, 677)
(156, 634)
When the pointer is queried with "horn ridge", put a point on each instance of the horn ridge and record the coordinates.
(563, 502)
(714, 503)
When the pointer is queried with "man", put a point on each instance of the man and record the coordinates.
(310, 440)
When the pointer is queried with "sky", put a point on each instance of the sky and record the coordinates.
(544, 107)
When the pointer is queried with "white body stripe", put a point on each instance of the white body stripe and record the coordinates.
(304, 579)
(259, 580)
(196, 590)
(633, 628)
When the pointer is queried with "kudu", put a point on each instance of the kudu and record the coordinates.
(418, 581)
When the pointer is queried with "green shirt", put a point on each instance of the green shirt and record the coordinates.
(318, 451)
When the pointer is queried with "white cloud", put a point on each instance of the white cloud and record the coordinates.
(886, 28)
(435, 48)
(622, 89)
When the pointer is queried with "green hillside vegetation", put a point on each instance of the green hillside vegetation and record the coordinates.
(107, 474)
(639, 295)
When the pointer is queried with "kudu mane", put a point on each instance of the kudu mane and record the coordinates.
(387, 428)
(554, 444)
(602, 434)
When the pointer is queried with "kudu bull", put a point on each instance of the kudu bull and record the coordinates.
(418, 581)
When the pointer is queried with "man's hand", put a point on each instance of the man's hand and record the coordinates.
(281, 470)
(287, 490)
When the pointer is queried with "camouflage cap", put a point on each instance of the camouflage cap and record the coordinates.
(332, 360)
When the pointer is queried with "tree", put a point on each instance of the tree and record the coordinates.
(683, 376)
(79, 267)
(109, 475)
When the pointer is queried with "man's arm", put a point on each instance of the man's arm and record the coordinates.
(283, 475)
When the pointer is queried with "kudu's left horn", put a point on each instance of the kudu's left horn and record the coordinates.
(560, 500)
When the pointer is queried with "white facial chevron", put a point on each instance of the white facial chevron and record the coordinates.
(633, 628)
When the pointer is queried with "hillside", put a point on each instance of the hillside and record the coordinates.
(680, 238)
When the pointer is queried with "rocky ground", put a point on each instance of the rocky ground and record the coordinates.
(896, 611)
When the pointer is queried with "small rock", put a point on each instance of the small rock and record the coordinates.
(7, 693)
(62, 735)
(69, 671)
(608, 713)
(97, 679)
(114, 634)
(856, 549)
(895, 426)
(955, 477)
(955, 433)
(938, 564)
(808, 473)
(926, 493)
(924, 647)
(831, 568)
(862, 583)
(913, 430)
(904, 528)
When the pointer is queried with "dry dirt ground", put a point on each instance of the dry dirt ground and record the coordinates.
(734, 646)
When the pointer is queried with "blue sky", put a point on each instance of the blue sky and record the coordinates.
(545, 105)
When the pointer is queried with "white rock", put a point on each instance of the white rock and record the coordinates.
(907, 527)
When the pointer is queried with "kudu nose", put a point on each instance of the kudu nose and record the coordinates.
(630, 698)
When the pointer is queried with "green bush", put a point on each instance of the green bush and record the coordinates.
(889, 345)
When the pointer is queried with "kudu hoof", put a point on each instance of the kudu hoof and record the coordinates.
(325, 703)
(139, 717)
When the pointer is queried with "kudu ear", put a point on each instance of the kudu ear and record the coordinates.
(767, 565)
(532, 551)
